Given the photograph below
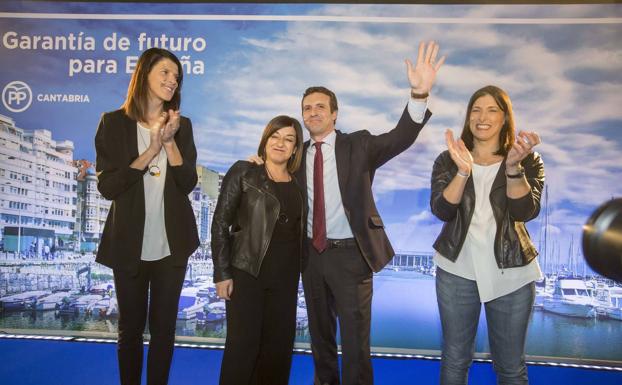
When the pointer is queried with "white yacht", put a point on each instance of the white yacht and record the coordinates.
(52, 301)
(215, 311)
(189, 303)
(105, 307)
(610, 302)
(302, 321)
(22, 301)
(83, 302)
(571, 298)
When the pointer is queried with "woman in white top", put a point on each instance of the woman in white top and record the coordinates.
(146, 165)
(484, 188)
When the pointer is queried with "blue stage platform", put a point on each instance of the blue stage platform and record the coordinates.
(51, 362)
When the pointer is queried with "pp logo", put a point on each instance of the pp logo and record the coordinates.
(16, 96)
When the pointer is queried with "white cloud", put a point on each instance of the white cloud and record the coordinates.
(416, 234)
(564, 82)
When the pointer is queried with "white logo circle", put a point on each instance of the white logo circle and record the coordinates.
(16, 96)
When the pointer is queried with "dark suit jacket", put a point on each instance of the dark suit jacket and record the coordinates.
(117, 147)
(358, 155)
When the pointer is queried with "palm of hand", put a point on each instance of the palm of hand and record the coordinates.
(462, 158)
(458, 152)
(422, 77)
(168, 133)
(171, 127)
(514, 157)
(156, 133)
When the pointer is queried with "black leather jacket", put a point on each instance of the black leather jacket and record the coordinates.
(512, 247)
(244, 219)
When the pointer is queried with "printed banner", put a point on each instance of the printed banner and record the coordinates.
(64, 64)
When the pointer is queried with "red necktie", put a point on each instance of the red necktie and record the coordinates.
(319, 214)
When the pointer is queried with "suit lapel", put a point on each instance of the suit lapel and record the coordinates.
(341, 158)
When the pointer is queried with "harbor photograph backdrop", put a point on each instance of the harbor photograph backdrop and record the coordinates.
(64, 64)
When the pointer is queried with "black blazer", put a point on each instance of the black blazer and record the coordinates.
(116, 146)
(358, 155)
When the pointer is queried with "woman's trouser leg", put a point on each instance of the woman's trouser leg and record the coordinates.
(277, 335)
(132, 293)
(244, 322)
(166, 283)
(508, 320)
(459, 307)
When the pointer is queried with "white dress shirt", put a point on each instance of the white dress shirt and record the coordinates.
(337, 226)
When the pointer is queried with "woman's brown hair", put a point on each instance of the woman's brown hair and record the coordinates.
(135, 105)
(273, 126)
(506, 135)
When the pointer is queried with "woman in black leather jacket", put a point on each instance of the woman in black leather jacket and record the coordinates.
(256, 248)
(484, 188)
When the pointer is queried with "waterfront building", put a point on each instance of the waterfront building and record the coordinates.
(92, 209)
(204, 198)
(199, 203)
(209, 181)
(412, 260)
(37, 190)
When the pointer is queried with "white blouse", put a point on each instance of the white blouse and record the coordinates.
(476, 260)
(155, 242)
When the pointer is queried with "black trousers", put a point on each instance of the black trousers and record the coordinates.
(338, 285)
(164, 281)
(261, 327)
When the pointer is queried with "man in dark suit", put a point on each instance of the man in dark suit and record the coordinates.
(347, 241)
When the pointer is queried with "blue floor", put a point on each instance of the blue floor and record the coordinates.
(26, 362)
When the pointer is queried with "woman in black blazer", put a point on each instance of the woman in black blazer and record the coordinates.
(146, 164)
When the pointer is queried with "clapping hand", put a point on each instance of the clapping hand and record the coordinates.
(459, 153)
(171, 126)
(523, 145)
(155, 132)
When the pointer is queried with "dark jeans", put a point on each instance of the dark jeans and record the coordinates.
(338, 285)
(164, 282)
(507, 318)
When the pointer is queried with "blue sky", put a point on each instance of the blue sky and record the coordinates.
(564, 80)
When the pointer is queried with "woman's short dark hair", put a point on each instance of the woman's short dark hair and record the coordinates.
(273, 126)
(135, 105)
(506, 135)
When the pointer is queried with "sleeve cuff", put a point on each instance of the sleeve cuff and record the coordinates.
(417, 109)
